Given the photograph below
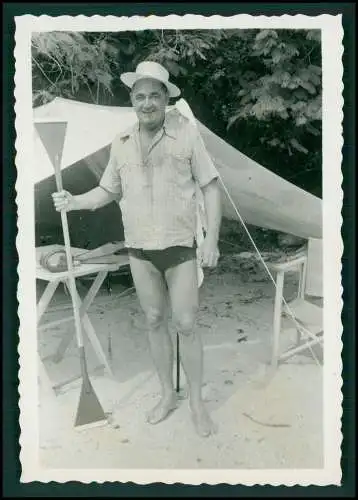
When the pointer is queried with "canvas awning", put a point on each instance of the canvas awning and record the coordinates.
(263, 198)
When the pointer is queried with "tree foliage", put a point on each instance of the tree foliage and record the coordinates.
(264, 85)
(261, 90)
(64, 63)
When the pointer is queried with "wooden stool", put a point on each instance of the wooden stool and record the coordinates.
(53, 280)
(298, 265)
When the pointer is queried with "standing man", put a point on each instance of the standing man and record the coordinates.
(152, 171)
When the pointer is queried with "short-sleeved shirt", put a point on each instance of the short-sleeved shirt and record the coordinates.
(157, 193)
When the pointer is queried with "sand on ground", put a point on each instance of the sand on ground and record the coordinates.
(266, 419)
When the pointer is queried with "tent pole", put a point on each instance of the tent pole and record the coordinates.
(178, 364)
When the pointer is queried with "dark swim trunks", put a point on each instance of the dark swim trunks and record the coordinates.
(165, 259)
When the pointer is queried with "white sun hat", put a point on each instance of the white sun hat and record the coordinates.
(150, 69)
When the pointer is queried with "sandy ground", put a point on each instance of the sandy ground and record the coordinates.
(265, 420)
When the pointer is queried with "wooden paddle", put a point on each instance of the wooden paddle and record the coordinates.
(89, 411)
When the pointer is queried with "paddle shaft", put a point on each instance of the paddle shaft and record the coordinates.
(71, 276)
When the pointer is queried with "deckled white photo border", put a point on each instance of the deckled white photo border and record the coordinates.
(332, 51)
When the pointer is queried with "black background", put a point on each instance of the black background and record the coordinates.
(12, 488)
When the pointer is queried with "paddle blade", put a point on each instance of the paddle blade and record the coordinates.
(89, 412)
(52, 135)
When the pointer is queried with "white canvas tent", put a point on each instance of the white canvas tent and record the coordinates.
(263, 198)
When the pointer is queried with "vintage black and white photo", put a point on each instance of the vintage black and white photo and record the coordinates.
(179, 212)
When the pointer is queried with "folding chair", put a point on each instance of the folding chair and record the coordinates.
(307, 317)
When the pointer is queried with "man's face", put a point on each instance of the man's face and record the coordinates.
(149, 100)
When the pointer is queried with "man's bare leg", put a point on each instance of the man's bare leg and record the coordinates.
(183, 290)
(152, 295)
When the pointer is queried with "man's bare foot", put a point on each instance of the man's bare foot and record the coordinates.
(203, 424)
(165, 406)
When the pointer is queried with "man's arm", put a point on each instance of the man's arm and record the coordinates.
(212, 201)
(208, 253)
(206, 175)
(93, 199)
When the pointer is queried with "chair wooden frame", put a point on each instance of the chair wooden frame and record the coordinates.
(307, 316)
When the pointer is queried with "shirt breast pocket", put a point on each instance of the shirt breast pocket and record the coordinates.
(131, 178)
(180, 160)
